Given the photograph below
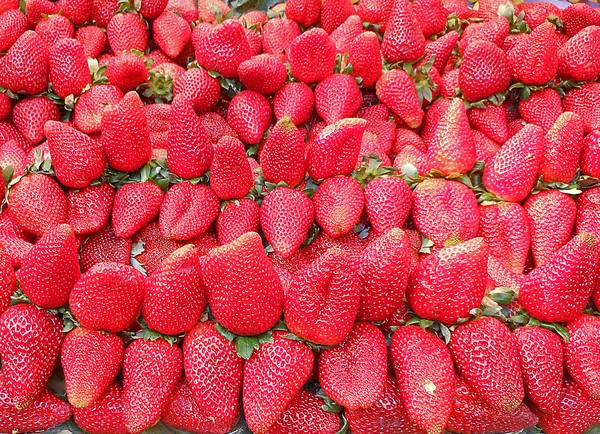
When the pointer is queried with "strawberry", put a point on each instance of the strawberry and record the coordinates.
(187, 9)
(174, 298)
(249, 115)
(15, 242)
(485, 148)
(25, 66)
(375, 11)
(277, 35)
(337, 97)
(151, 372)
(483, 56)
(135, 206)
(152, 9)
(335, 150)
(282, 153)
(29, 116)
(264, 74)
(91, 360)
(159, 124)
(171, 33)
(404, 138)
(492, 369)
(8, 281)
(581, 354)
(208, 8)
(156, 247)
(397, 91)
(551, 215)
(69, 71)
(304, 12)
(505, 230)
(541, 366)
(79, 11)
(273, 375)
(199, 87)
(93, 40)
(578, 57)
(5, 106)
(13, 23)
(365, 56)
(37, 203)
(588, 212)
(230, 173)
(187, 211)
(448, 284)
(216, 126)
(346, 32)
(45, 412)
(582, 101)
(334, 13)
(534, 61)
(236, 218)
(425, 376)
(36, 9)
(578, 16)
(353, 373)
(403, 40)
(445, 211)
(107, 297)
(323, 299)
(127, 32)
(54, 28)
(126, 71)
(91, 106)
(312, 56)
(339, 203)
(104, 246)
(543, 108)
(537, 13)
(89, 208)
(29, 358)
(590, 155)
(431, 16)
(243, 289)
(491, 121)
(441, 50)
(473, 415)
(105, 415)
(294, 100)
(512, 172)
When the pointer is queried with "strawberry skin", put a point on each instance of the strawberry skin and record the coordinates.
(304, 12)
(249, 115)
(403, 40)
(25, 67)
(535, 60)
(29, 116)
(243, 289)
(425, 377)
(337, 97)
(590, 155)
(543, 108)
(564, 143)
(127, 32)
(237, 218)
(581, 354)
(582, 101)
(397, 91)
(491, 121)
(171, 33)
(264, 74)
(388, 202)
(230, 173)
(483, 56)
(89, 208)
(104, 246)
(339, 203)
(93, 40)
(135, 205)
(588, 212)
(8, 281)
(69, 71)
(91, 106)
(312, 56)
(295, 100)
(365, 57)
(277, 36)
(198, 86)
(126, 71)
(105, 416)
(578, 58)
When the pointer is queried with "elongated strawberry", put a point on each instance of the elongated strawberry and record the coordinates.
(312, 56)
(273, 375)
(365, 57)
(581, 101)
(397, 91)
(564, 143)
(339, 203)
(28, 359)
(29, 116)
(51, 268)
(105, 415)
(135, 206)
(237, 218)
(581, 353)
(243, 289)
(483, 56)
(69, 71)
(249, 115)
(403, 40)
(230, 173)
(337, 97)
(425, 376)
(127, 32)
(91, 106)
(491, 121)
(353, 373)
(25, 67)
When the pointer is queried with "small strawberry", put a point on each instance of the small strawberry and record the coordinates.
(105, 415)
(295, 100)
(483, 56)
(135, 205)
(491, 121)
(216, 126)
(199, 87)
(25, 66)
(236, 218)
(91, 106)
(441, 49)
(582, 102)
(171, 33)
(104, 246)
(277, 36)
(249, 115)
(127, 32)
(93, 40)
(578, 57)
(265, 74)
(337, 97)
(312, 56)
(431, 16)
(403, 40)
(590, 154)
(29, 116)
(339, 203)
(230, 173)
(365, 56)
(69, 71)
(397, 91)
(126, 71)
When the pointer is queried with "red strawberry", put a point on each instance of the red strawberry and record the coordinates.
(91, 106)
(216, 126)
(339, 203)
(171, 33)
(25, 66)
(187, 9)
(187, 211)
(249, 115)
(323, 299)
(79, 11)
(582, 102)
(237, 218)
(491, 121)
(344, 35)
(543, 108)
(590, 154)
(159, 124)
(104, 246)
(37, 203)
(69, 71)
(5, 106)
(576, 17)
(487, 356)
(214, 374)
(91, 360)
(174, 298)
(8, 281)
(151, 372)
(403, 40)
(534, 61)
(53, 28)
(425, 376)
(93, 40)
(243, 289)
(277, 35)
(445, 211)
(107, 297)
(304, 12)
(264, 74)
(564, 143)
(126, 71)
(15, 242)
(294, 100)
(337, 97)
(365, 57)
(397, 91)
(551, 216)
(156, 247)
(198, 86)
(273, 375)
(105, 415)
(13, 23)
(431, 16)
(135, 206)
(29, 116)
(541, 366)
(537, 13)
(89, 208)
(312, 56)
(230, 173)
(127, 32)
(334, 13)
(441, 50)
(581, 354)
(151, 9)
(513, 170)
(588, 212)
(483, 56)
(578, 57)
(28, 358)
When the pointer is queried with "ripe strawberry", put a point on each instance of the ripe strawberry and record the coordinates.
(441, 49)
(13, 23)
(171, 33)
(334, 13)
(304, 12)
(273, 375)
(543, 108)
(491, 121)
(159, 124)
(590, 155)
(45, 412)
(198, 86)
(564, 143)
(264, 74)
(230, 173)
(431, 16)
(312, 56)
(541, 366)
(576, 17)
(126, 71)
(187, 211)
(491, 370)
(403, 40)
(104, 246)
(249, 115)
(323, 299)
(445, 211)
(151, 372)
(483, 56)
(551, 215)
(5, 106)
(174, 298)
(472, 414)
(91, 360)
(8, 281)
(365, 56)
(286, 216)
(534, 61)
(425, 376)
(37, 203)
(582, 102)
(54, 28)
(335, 150)
(294, 100)
(537, 13)
(237, 218)
(91, 106)
(15, 242)
(337, 97)
(243, 289)
(353, 373)
(581, 353)
(216, 126)
(79, 11)
(127, 32)
(107, 297)
(513, 170)
(36, 9)
(156, 247)
(93, 40)
(29, 116)
(89, 208)
(578, 57)
(25, 66)
(397, 91)
(277, 35)
(588, 212)
(152, 9)
(135, 206)
(105, 415)
(13, 154)
(346, 32)
(69, 71)
(29, 358)
(187, 9)
(339, 203)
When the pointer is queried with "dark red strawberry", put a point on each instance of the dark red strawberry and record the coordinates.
(25, 66)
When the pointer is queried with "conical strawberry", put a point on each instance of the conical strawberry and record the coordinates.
(581, 354)
(304, 12)
(334, 13)
(230, 173)
(312, 56)
(483, 56)
(295, 100)
(199, 87)
(337, 97)
(29, 116)
(104, 246)
(491, 121)
(91, 106)
(534, 61)
(582, 101)
(69, 71)
(339, 203)
(126, 32)
(264, 74)
(25, 67)
(564, 143)
(89, 208)
(236, 218)
(388, 202)
(135, 206)
(397, 91)
(543, 108)
(403, 40)
(578, 58)
(249, 114)
(365, 57)
(104, 416)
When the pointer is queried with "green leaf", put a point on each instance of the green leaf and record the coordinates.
(245, 346)
(224, 332)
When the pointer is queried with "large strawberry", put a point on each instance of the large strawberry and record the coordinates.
(89, 208)
(243, 289)
(126, 32)
(304, 12)
(69, 71)
(264, 74)
(126, 71)
(388, 201)
(91, 106)
(273, 375)
(230, 173)
(28, 358)
(295, 100)
(397, 91)
(478, 57)
(582, 101)
(353, 373)
(564, 143)
(337, 97)
(339, 203)
(534, 61)
(581, 354)
(171, 33)
(323, 299)
(578, 58)
(403, 40)
(199, 87)
(425, 376)
(135, 205)
(543, 108)
(93, 39)
(105, 415)
(25, 66)
(236, 218)
(54, 28)
(312, 56)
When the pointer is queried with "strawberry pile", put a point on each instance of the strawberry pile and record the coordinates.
(373, 217)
